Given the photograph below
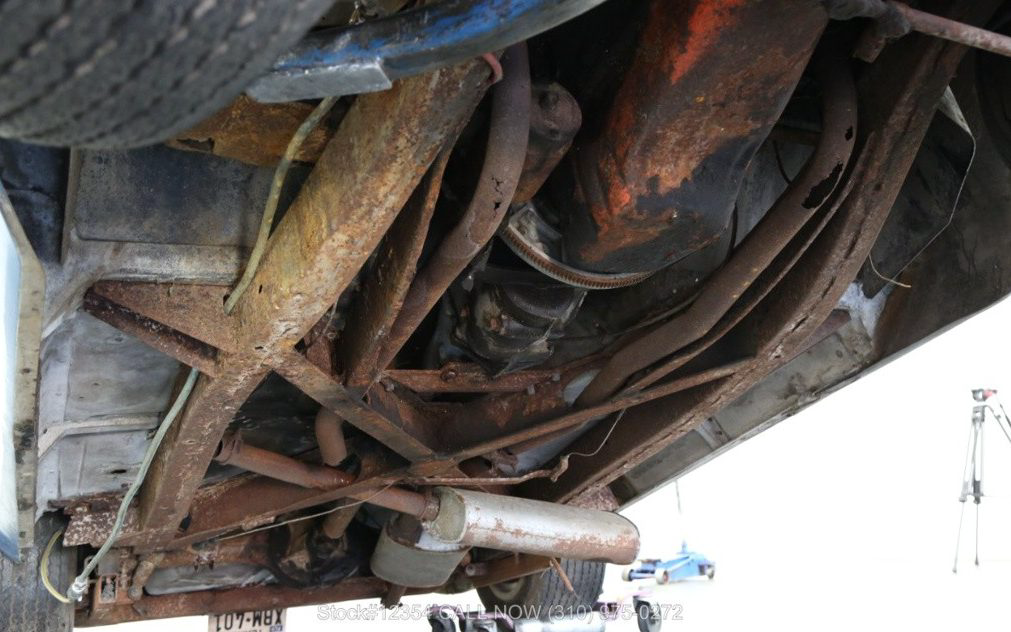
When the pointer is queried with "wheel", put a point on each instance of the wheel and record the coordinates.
(125, 73)
(711, 572)
(547, 591)
(662, 577)
(442, 622)
(647, 616)
(26, 605)
(627, 574)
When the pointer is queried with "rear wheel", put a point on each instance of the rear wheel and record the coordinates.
(26, 605)
(545, 594)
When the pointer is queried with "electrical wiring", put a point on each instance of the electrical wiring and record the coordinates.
(44, 569)
(273, 198)
(80, 584)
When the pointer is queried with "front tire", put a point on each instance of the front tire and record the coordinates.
(125, 73)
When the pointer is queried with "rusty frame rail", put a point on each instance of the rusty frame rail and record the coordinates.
(315, 252)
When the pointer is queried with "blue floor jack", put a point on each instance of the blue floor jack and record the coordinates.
(684, 565)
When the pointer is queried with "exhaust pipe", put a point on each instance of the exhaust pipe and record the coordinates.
(455, 519)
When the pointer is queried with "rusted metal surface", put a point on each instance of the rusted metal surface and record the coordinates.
(191, 309)
(340, 214)
(235, 452)
(256, 133)
(502, 412)
(463, 377)
(259, 500)
(321, 477)
(385, 287)
(581, 416)
(187, 350)
(952, 30)
(555, 118)
(660, 181)
(767, 306)
(147, 564)
(251, 549)
(237, 503)
(330, 437)
(92, 526)
(801, 200)
(500, 173)
(899, 95)
(312, 256)
(528, 526)
(231, 600)
(315, 252)
(467, 517)
(753, 297)
(188, 447)
(322, 387)
(597, 498)
(337, 522)
(900, 19)
(110, 590)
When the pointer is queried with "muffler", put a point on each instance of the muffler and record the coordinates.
(467, 519)
(522, 525)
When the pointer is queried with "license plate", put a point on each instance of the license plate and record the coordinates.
(252, 621)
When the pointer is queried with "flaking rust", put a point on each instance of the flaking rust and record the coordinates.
(707, 83)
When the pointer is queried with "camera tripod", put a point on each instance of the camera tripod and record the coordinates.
(972, 473)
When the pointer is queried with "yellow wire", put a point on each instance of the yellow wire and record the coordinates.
(44, 569)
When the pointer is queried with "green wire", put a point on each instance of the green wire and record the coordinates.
(267, 221)
(80, 584)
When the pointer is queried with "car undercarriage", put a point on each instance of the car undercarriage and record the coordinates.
(502, 288)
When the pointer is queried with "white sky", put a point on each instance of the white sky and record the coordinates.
(841, 517)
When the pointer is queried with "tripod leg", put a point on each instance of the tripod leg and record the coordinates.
(977, 534)
(968, 471)
(978, 483)
(958, 538)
